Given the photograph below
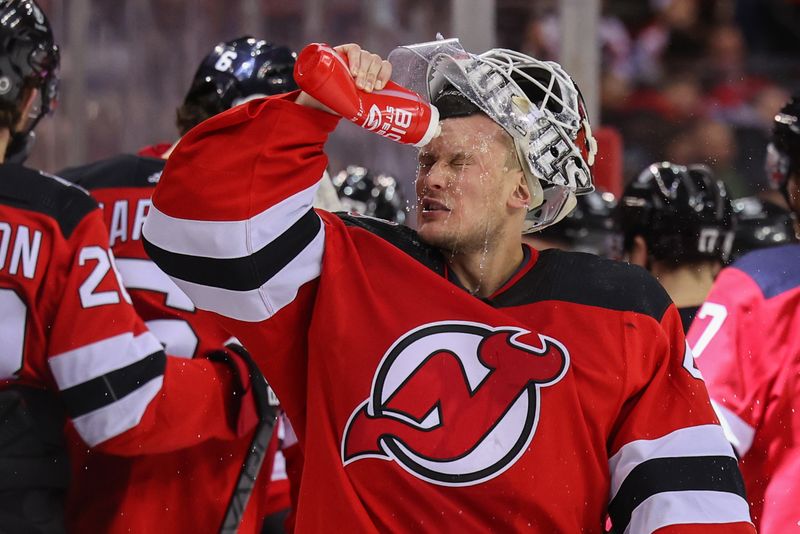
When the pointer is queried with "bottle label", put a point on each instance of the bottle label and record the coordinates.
(392, 122)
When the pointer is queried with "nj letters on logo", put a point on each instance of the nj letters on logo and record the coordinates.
(455, 403)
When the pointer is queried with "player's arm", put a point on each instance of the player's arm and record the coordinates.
(232, 220)
(672, 470)
(725, 339)
(122, 393)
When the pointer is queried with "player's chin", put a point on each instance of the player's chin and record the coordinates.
(438, 234)
(433, 233)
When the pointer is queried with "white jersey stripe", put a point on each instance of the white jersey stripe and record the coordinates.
(121, 415)
(704, 440)
(687, 507)
(738, 432)
(145, 275)
(226, 239)
(96, 359)
(259, 304)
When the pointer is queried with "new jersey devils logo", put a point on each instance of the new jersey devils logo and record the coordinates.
(454, 403)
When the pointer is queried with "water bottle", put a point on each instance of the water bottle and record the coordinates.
(393, 112)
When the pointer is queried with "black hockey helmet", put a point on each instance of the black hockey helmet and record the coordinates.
(242, 68)
(367, 193)
(760, 224)
(590, 227)
(783, 151)
(29, 58)
(683, 213)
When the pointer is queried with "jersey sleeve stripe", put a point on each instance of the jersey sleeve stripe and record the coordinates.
(245, 273)
(119, 416)
(738, 432)
(226, 239)
(663, 475)
(259, 304)
(702, 440)
(687, 507)
(103, 390)
(91, 361)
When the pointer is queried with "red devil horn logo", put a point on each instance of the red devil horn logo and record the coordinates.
(444, 394)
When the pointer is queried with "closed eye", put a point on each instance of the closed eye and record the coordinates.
(461, 160)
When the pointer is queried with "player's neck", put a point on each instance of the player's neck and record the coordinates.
(483, 272)
(5, 138)
(687, 286)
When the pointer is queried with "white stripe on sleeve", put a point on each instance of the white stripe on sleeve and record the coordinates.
(96, 359)
(259, 304)
(703, 440)
(121, 415)
(687, 507)
(226, 239)
(738, 432)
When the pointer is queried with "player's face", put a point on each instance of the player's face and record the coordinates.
(463, 185)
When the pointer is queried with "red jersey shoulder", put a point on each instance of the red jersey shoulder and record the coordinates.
(35, 192)
(122, 171)
(589, 280)
(122, 185)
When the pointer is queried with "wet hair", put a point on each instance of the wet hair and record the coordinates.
(452, 103)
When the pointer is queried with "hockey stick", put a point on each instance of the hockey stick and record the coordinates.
(267, 415)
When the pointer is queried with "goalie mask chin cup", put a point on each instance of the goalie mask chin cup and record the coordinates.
(546, 119)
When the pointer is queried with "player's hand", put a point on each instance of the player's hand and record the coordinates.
(370, 71)
(239, 361)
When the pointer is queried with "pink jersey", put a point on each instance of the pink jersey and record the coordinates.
(746, 339)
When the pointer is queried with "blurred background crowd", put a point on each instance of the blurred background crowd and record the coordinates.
(684, 80)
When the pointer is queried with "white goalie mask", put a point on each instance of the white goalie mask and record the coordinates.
(535, 101)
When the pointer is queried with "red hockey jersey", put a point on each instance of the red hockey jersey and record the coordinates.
(567, 394)
(150, 493)
(68, 326)
(746, 339)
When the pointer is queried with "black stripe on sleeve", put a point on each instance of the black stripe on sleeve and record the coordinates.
(245, 273)
(694, 473)
(103, 390)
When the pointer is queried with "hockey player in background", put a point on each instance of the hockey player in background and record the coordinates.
(761, 222)
(591, 227)
(448, 377)
(678, 224)
(747, 346)
(362, 191)
(73, 352)
(230, 74)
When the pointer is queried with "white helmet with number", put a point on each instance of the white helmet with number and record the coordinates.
(535, 101)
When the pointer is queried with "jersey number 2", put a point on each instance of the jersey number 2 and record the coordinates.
(90, 297)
